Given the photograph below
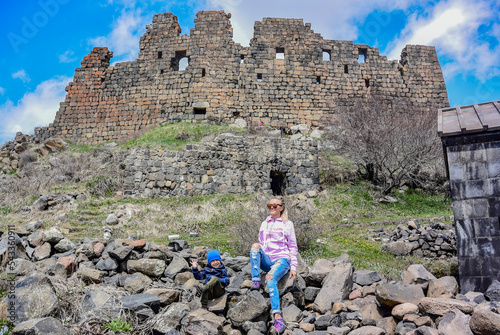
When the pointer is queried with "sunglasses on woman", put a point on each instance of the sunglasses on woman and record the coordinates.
(273, 205)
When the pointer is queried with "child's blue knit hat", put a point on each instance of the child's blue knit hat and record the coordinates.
(213, 255)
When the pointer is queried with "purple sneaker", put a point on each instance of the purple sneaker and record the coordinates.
(279, 324)
(255, 286)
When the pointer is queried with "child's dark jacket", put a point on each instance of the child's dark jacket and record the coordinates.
(209, 272)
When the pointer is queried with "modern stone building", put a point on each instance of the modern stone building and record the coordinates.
(288, 75)
(471, 141)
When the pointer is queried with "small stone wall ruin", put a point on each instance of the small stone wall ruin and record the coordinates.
(228, 165)
(288, 75)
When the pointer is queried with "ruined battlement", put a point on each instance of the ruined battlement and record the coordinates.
(286, 76)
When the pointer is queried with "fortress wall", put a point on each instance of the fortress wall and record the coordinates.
(229, 165)
(225, 81)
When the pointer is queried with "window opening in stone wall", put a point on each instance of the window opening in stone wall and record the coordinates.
(236, 114)
(183, 63)
(346, 68)
(242, 59)
(362, 55)
(160, 54)
(278, 182)
(180, 61)
(200, 110)
(280, 53)
(318, 80)
(259, 76)
(327, 55)
(401, 71)
(162, 71)
(203, 72)
(367, 82)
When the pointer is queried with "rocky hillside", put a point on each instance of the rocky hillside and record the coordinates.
(131, 286)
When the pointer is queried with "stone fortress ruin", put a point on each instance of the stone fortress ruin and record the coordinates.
(288, 75)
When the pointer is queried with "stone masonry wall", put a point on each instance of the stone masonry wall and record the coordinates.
(229, 165)
(225, 81)
(474, 170)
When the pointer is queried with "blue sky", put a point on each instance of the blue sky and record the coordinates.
(42, 42)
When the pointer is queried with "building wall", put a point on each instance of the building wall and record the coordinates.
(229, 165)
(227, 81)
(474, 169)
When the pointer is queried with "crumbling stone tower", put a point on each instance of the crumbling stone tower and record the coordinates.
(288, 75)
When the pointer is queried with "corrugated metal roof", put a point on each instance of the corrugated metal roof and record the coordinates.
(470, 119)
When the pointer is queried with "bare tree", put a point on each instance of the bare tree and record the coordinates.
(392, 142)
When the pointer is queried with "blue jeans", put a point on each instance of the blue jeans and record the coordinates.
(277, 269)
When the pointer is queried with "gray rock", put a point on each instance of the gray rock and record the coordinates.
(166, 296)
(442, 306)
(493, 291)
(64, 245)
(176, 266)
(455, 322)
(368, 330)
(248, 308)
(34, 226)
(310, 293)
(235, 263)
(35, 298)
(416, 274)
(52, 267)
(257, 326)
(336, 287)
(320, 269)
(398, 248)
(136, 301)
(390, 295)
(41, 326)
(365, 277)
(107, 264)
(291, 313)
(91, 275)
(112, 219)
(444, 287)
(121, 253)
(202, 322)
(21, 267)
(42, 252)
(95, 300)
(136, 283)
(485, 320)
(171, 318)
(150, 267)
(53, 236)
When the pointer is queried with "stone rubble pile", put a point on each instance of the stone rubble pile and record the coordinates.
(436, 240)
(155, 284)
(11, 152)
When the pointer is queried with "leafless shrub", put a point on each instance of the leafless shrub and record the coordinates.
(392, 142)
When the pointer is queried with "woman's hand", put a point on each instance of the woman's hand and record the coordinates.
(293, 274)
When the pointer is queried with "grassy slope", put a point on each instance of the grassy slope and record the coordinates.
(346, 213)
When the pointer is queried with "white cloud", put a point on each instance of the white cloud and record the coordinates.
(124, 37)
(35, 109)
(21, 74)
(2, 91)
(333, 19)
(67, 57)
(453, 28)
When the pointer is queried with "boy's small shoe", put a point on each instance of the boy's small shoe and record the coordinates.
(255, 286)
(279, 325)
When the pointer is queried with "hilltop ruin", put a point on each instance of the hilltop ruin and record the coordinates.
(287, 75)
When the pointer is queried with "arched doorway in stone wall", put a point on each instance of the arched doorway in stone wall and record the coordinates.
(278, 182)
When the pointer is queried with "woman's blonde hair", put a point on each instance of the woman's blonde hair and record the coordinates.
(284, 212)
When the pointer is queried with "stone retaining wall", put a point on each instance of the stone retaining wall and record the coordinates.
(228, 165)
(288, 75)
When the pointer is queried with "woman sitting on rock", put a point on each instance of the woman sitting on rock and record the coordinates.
(276, 253)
